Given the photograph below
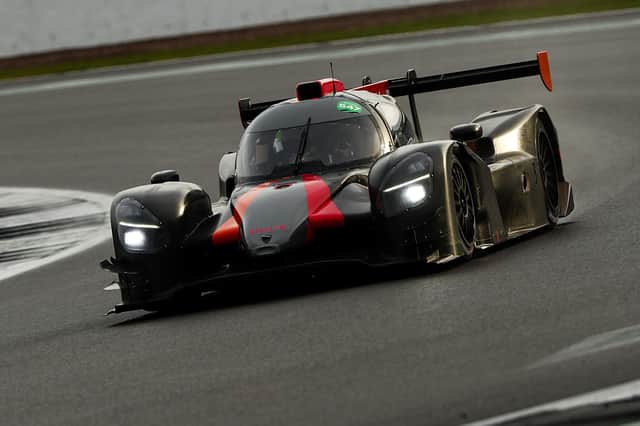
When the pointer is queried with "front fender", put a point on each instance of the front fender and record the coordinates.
(420, 231)
(180, 207)
(433, 226)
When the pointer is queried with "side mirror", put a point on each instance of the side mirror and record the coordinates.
(471, 135)
(466, 132)
(165, 176)
(227, 174)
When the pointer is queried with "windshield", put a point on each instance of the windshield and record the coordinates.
(332, 144)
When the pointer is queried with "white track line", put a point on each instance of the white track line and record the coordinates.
(600, 342)
(332, 53)
(611, 394)
(95, 202)
(82, 209)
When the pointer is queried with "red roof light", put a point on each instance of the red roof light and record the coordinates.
(318, 88)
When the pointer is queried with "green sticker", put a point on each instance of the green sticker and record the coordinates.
(348, 106)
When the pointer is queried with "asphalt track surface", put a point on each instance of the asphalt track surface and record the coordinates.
(481, 338)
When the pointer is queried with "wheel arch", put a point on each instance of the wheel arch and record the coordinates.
(544, 116)
(490, 228)
(499, 127)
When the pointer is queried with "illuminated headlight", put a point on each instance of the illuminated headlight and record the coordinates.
(139, 230)
(134, 238)
(409, 186)
(414, 194)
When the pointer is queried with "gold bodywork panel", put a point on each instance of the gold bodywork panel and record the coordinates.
(514, 167)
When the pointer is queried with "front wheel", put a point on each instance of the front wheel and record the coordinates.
(465, 211)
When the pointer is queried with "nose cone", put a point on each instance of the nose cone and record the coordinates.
(276, 219)
(283, 216)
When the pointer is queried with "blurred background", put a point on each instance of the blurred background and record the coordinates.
(40, 36)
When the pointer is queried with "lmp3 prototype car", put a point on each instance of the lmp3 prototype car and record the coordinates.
(335, 176)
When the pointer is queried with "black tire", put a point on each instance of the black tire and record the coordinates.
(549, 174)
(464, 205)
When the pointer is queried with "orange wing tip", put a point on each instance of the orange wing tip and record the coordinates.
(545, 70)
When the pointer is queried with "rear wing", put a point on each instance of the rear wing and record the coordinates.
(411, 84)
(249, 111)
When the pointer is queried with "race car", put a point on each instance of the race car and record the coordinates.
(336, 176)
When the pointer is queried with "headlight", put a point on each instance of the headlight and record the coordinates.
(409, 185)
(139, 230)
(414, 194)
(135, 238)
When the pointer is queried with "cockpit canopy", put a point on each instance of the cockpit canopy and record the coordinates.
(340, 133)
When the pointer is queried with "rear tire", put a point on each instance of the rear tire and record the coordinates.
(549, 174)
(464, 206)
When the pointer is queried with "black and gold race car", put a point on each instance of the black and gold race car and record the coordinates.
(336, 176)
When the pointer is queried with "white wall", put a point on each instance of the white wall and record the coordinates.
(28, 26)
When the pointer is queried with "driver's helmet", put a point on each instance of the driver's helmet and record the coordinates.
(283, 148)
(349, 143)
(343, 150)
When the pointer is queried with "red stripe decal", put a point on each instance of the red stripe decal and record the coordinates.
(229, 231)
(243, 202)
(323, 212)
(379, 87)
